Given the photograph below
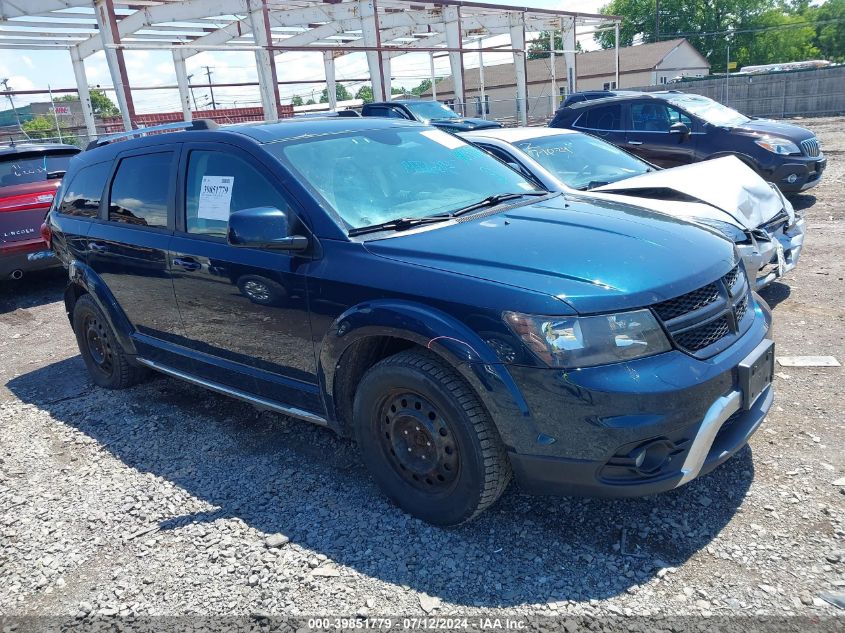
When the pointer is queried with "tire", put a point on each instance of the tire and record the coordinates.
(105, 359)
(455, 466)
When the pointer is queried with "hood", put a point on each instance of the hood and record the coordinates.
(725, 184)
(596, 258)
(761, 127)
(465, 124)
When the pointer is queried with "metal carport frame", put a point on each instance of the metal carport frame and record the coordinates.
(382, 29)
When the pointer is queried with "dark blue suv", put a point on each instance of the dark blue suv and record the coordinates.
(402, 287)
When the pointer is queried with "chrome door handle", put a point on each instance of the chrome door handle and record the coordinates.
(188, 263)
(635, 142)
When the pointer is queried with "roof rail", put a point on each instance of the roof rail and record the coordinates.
(198, 124)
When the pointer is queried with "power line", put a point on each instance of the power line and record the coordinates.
(754, 30)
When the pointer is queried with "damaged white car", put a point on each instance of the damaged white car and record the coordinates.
(722, 193)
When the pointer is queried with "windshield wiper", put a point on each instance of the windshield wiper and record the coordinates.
(399, 224)
(492, 201)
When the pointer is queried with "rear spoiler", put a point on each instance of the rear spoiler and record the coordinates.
(199, 124)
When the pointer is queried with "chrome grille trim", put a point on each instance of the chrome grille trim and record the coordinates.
(811, 147)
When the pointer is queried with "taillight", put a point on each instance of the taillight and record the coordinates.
(27, 201)
(47, 234)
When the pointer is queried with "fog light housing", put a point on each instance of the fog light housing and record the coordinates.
(792, 179)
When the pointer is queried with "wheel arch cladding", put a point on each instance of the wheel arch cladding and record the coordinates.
(83, 280)
(368, 332)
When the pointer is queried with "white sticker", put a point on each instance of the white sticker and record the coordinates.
(446, 140)
(215, 197)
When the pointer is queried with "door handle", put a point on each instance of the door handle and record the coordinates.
(97, 247)
(188, 263)
(635, 142)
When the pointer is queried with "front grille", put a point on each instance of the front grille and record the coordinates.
(709, 315)
(741, 309)
(704, 336)
(811, 147)
(689, 302)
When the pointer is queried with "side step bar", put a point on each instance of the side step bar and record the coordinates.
(235, 393)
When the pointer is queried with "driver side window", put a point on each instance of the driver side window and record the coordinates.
(219, 184)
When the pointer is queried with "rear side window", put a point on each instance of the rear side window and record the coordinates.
(139, 191)
(219, 184)
(607, 117)
(26, 168)
(82, 196)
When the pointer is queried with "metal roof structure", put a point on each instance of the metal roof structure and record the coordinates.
(382, 29)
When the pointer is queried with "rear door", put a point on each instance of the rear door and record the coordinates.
(128, 246)
(245, 311)
(605, 121)
(649, 134)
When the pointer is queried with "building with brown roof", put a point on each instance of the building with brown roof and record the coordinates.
(643, 65)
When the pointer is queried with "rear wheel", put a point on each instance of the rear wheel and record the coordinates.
(427, 440)
(107, 363)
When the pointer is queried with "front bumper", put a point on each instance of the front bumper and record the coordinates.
(634, 428)
(799, 174)
(766, 260)
(26, 257)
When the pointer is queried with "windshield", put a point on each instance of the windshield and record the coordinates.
(25, 168)
(431, 110)
(581, 161)
(373, 176)
(711, 111)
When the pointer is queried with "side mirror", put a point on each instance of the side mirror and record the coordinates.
(264, 227)
(679, 128)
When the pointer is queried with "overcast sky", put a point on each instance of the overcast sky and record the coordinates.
(28, 70)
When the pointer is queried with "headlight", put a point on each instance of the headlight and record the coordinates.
(778, 145)
(586, 341)
(733, 233)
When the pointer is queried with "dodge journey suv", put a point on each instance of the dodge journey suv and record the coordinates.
(387, 280)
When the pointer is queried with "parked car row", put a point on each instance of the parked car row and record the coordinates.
(466, 320)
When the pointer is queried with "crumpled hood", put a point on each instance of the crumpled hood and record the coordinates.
(760, 127)
(725, 183)
(596, 258)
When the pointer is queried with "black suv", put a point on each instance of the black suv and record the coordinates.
(673, 128)
(400, 286)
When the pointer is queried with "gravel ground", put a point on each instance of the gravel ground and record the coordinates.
(166, 499)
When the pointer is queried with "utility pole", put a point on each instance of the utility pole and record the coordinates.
(5, 83)
(55, 114)
(210, 87)
(656, 20)
(191, 88)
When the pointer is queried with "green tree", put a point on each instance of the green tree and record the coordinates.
(100, 103)
(310, 102)
(296, 100)
(340, 90)
(425, 86)
(44, 127)
(365, 93)
(830, 29)
(539, 48)
(757, 31)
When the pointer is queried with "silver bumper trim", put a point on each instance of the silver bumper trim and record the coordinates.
(713, 420)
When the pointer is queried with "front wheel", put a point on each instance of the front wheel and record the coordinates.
(427, 440)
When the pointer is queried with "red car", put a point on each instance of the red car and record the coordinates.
(29, 177)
